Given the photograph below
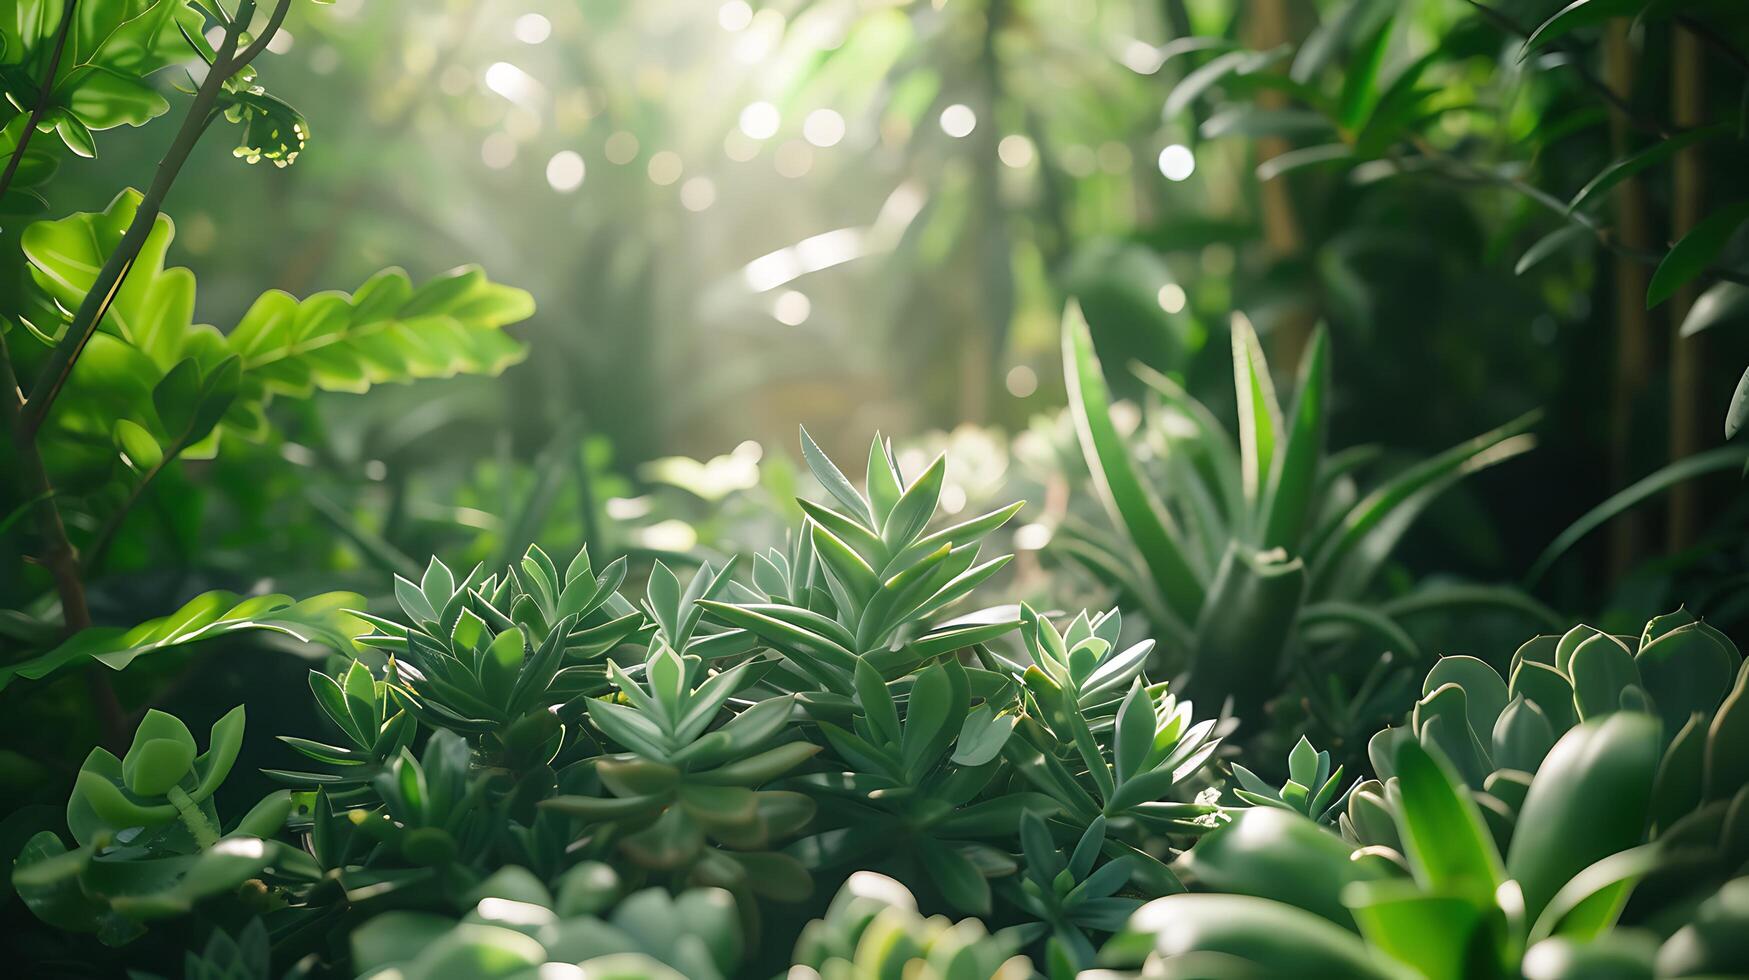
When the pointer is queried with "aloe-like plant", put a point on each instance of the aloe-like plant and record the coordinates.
(1240, 550)
(1451, 904)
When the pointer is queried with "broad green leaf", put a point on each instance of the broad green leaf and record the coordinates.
(1590, 799)
(320, 619)
(1433, 933)
(1271, 938)
(1485, 693)
(1447, 844)
(1268, 852)
(142, 450)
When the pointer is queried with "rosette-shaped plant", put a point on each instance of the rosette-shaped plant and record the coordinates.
(1299, 900)
(912, 780)
(1248, 550)
(164, 781)
(487, 657)
(1068, 893)
(1312, 789)
(862, 583)
(873, 929)
(682, 779)
(1099, 739)
(373, 724)
(1497, 731)
(149, 840)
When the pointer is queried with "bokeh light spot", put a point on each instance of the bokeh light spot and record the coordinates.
(1015, 150)
(532, 28)
(958, 120)
(760, 120)
(698, 194)
(823, 127)
(665, 167)
(791, 308)
(565, 171)
(1177, 162)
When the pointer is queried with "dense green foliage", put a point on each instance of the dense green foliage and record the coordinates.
(1176, 670)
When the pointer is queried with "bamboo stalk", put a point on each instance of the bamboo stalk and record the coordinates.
(1633, 323)
(1688, 387)
(1267, 26)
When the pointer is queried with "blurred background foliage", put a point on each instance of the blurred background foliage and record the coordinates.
(868, 214)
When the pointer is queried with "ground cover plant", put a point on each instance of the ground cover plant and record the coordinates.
(1240, 625)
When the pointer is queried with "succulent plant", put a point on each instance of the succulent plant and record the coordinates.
(911, 782)
(1451, 904)
(1312, 789)
(368, 716)
(1496, 732)
(862, 582)
(873, 929)
(1123, 764)
(434, 811)
(684, 779)
(1241, 551)
(1069, 894)
(516, 928)
(488, 657)
(149, 840)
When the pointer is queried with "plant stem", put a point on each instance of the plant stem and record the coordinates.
(115, 268)
(202, 829)
(24, 416)
(60, 559)
(42, 98)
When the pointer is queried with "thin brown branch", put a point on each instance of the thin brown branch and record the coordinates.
(58, 556)
(42, 98)
(115, 268)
